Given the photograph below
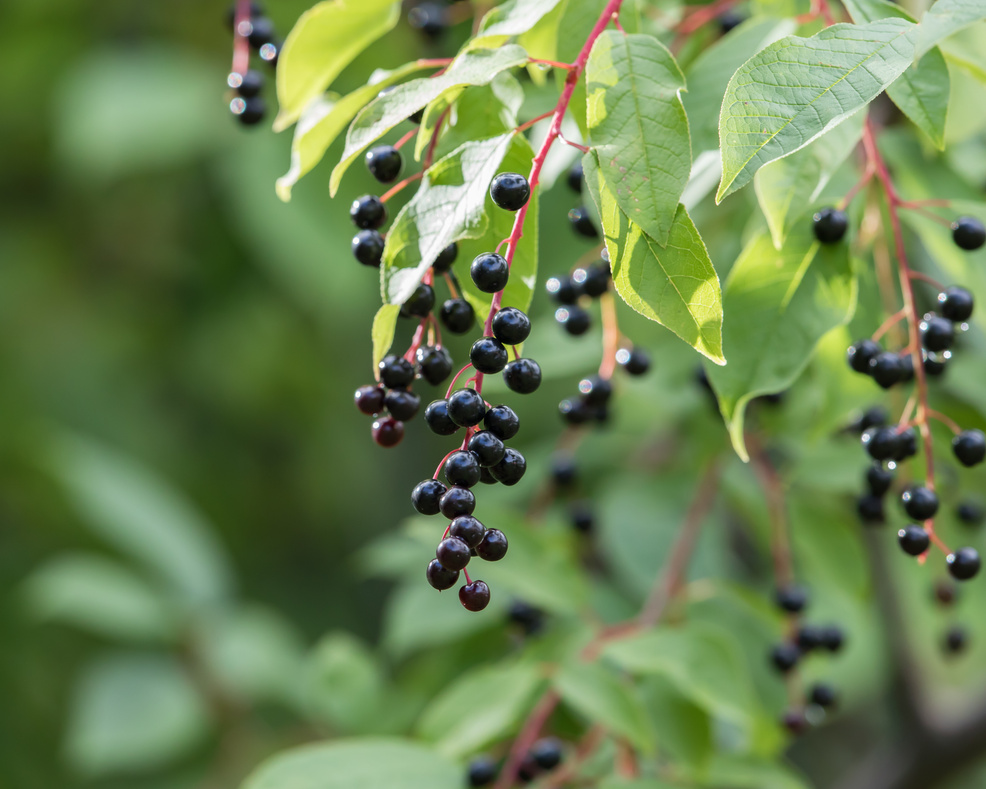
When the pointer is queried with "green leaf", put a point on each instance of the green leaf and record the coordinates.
(599, 695)
(449, 205)
(133, 712)
(512, 18)
(101, 596)
(344, 683)
(683, 728)
(356, 764)
(325, 40)
(798, 88)
(466, 717)
(674, 285)
(417, 617)
(638, 127)
(635, 783)
(325, 118)
(382, 333)
(475, 67)
(945, 18)
(788, 187)
(740, 772)
(780, 304)
(921, 93)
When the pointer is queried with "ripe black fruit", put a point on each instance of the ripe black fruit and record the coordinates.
(510, 191)
(396, 372)
(488, 355)
(563, 290)
(457, 315)
(403, 404)
(522, 376)
(474, 596)
(369, 399)
(969, 447)
(920, 503)
(575, 320)
(575, 177)
(388, 432)
(830, 225)
(430, 18)
(261, 32)
(437, 418)
(913, 539)
(792, 599)
(564, 470)
(511, 326)
(434, 364)
(574, 412)
(487, 448)
(246, 85)
(368, 213)
(490, 272)
(466, 407)
(456, 502)
(937, 334)
(970, 513)
(968, 233)
(583, 520)
(462, 469)
(785, 657)
(870, 508)
(467, 529)
(482, 772)
(595, 390)
(730, 20)
(420, 303)
(510, 470)
(446, 258)
(860, 353)
(935, 366)
(441, 578)
(908, 439)
(581, 222)
(529, 618)
(248, 111)
(879, 480)
(956, 304)
(594, 278)
(882, 443)
(809, 637)
(888, 368)
(547, 753)
(426, 496)
(493, 547)
(635, 361)
(963, 564)
(795, 722)
(502, 422)
(823, 695)
(955, 640)
(384, 163)
(871, 417)
(367, 247)
(833, 638)
(453, 553)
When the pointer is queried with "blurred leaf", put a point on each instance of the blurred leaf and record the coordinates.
(943, 19)
(683, 728)
(371, 763)
(511, 18)
(99, 595)
(739, 772)
(133, 712)
(418, 617)
(344, 683)
(635, 783)
(323, 41)
(384, 324)
(138, 513)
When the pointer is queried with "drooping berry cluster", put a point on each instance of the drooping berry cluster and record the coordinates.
(252, 31)
(545, 755)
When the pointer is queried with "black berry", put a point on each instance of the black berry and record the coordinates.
(830, 225)
(368, 213)
(956, 304)
(510, 191)
(969, 447)
(426, 496)
(462, 469)
(913, 539)
(594, 278)
(446, 258)
(248, 111)
(575, 320)
(970, 513)
(583, 520)
(493, 547)
(367, 247)
(388, 432)
(467, 529)
(908, 440)
(963, 564)
(937, 334)
(420, 303)
(384, 163)
(437, 418)
(823, 695)
(457, 315)
(511, 326)
(872, 417)
(809, 638)
(430, 18)
(833, 638)
(879, 480)
(453, 553)
(547, 753)
(785, 657)
(955, 640)
(968, 233)
(396, 372)
(474, 596)
(882, 443)
(510, 470)
(792, 599)
(888, 368)
(595, 390)
(466, 407)
(575, 412)
(502, 422)
(434, 364)
(860, 353)
(795, 722)
(441, 578)
(563, 290)
(403, 404)
(581, 222)
(945, 592)
(369, 399)
(529, 618)
(487, 448)
(246, 85)
(935, 365)
(564, 470)
(730, 20)
(456, 502)
(261, 32)
(870, 509)
(482, 771)
(522, 376)
(574, 177)
(490, 272)
(635, 361)
(920, 503)
(488, 355)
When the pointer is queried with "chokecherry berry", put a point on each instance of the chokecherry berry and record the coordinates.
(830, 225)
(368, 212)
(870, 508)
(547, 753)
(248, 111)
(485, 477)
(430, 18)
(457, 315)
(529, 618)
(945, 592)
(563, 290)
(913, 539)
(937, 333)
(823, 694)
(488, 355)
(879, 479)
(970, 513)
(456, 502)
(502, 422)
(785, 657)
(369, 399)
(888, 368)
(792, 599)
(581, 222)
(510, 470)
(955, 640)
(963, 564)
(920, 503)
(482, 771)
(466, 407)
(809, 638)
(493, 547)
(420, 303)
(453, 553)
(403, 404)
(833, 638)
(467, 529)
(564, 470)
(446, 258)
(968, 233)
(575, 320)
(367, 247)
(384, 163)
(437, 418)
(635, 361)
(795, 722)
(935, 364)
(490, 272)
(255, 11)
(969, 447)
(511, 326)
(574, 412)
(396, 372)
(388, 432)
(434, 364)
(441, 578)
(908, 440)
(522, 376)
(871, 417)
(510, 191)
(594, 278)
(882, 443)
(462, 469)
(860, 353)
(583, 520)
(574, 177)
(261, 32)
(487, 448)
(730, 20)
(956, 304)
(246, 85)
(427, 496)
(595, 390)
(474, 596)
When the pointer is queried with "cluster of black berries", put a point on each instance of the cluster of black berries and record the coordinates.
(247, 104)
(579, 217)
(591, 281)
(595, 392)
(793, 600)
(545, 755)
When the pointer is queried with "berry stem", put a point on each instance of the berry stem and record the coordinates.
(702, 16)
(925, 278)
(867, 176)
(888, 324)
(556, 64)
(453, 291)
(400, 185)
(451, 386)
(950, 423)
(611, 335)
(780, 544)
(529, 732)
(442, 463)
(527, 124)
(918, 209)
(241, 45)
(405, 139)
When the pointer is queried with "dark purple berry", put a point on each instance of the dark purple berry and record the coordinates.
(525, 615)
(466, 407)
(246, 85)
(249, 111)
(809, 638)
(437, 418)
(467, 529)
(522, 376)
(261, 32)
(487, 448)
(581, 222)
(446, 258)
(575, 320)
(823, 695)
(792, 599)
(441, 578)
(396, 372)
(457, 315)
(474, 596)
(490, 272)
(970, 513)
(403, 404)
(879, 480)
(502, 422)
(937, 333)
(635, 361)
(583, 520)
(462, 469)
(963, 564)
(511, 326)
(860, 353)
(593, 278)
(968, 233)
(956, 640)
(426, 496)
(488, 355)
(388, 432)
(833, 638)
(420, 303)
(795, 722)
(384, 163)
(913, 539)
(453, 553)
(595, 391)
(920, 503)
(456, 502)
(493, 547)
(563, 290)
(430, 18)
(870, 509)
(510, 191)
(575, 412)
(888, 368)
(434, 364)
(547, 753)
(785, 657)
(369, 399)
(482, 771)
(368, 212)
(969, 447)
(574, 177)
(510, 470)
(830, 225)
(882, 443)
(367, 247)
(956, 304)
(564, 470)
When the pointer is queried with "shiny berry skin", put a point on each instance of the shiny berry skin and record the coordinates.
(935, 367)
(730, 20)
(261, 31)
(510, 470)
(888, 368)
(511, 326)
(427, 496)
(871, 417)
(368, 213)
(970, 513)
(563, 290)
(485, 477)
(510, 191)
(792, 599)
(913, 540)
(384, 163)
(635, 361)
(488, 355)
(466, 407)
(396, 372)
(574, 412)
(462, 469)
(907, 368)
(420, 303)
(493, 547)
(785, 657)
(860, 353)
(919, 503)
(830, 225)
(908, 438)
(487, 448)
(456, 502)
(248, 111)
(522, 376)
(594, 278)
(474, 596)
(369, 399)
(446, 258)
(489, 272)
(956, 304)
(879, 480)
(882, 443)
(402, 404)
(968, 233)
(823, 695)
(437, 418)
(434, 364)
(467, 529)
(482, 771)
(457, 315)
(367, 247)
(581, 222)
(388, 432)
(441, 578)
(453, 553)
(246, 85)
(547, 753)
(870, 509)
(595, 390)
(502, 422)
(575, 320)
(937, 334)
(575, 177)
(963, 564)
(969, 447)
(955, 640)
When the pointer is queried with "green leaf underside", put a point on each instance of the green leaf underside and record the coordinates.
(356, 764)
(921, 93)
(945, 18)
(778, 305)
(475, 67)
(787, 188)
(448, 206)
(674, 285)
(325, 40)
(324, 119)
(797, 88)
(512, 18)
(382, 333)
(638, 127)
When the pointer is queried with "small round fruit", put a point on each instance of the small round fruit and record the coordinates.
(261, 31)
(437, 418)
(510, 191)
(860, 353)
(466, 407)
(795, 722)
(595, 279)
(368, 212)
(879, 479)
(919, 503)
(493, 547)
(955, 640)
(246, 85)
(908, 438)
(488, 355)
(563, 290)
(882, 443)
(510, 470)
(937, 333)
(888, 368)
(420, 303)
(502, 422)
(823, 694)
(574, 411)
(434, 364)
(488, 449)
(582, 518)
(462, 469)
(384, 163)
(402, 404)
(396, 372)
(547, 753)
(573, 319)
(969, 447)
(388, 432)
(830, 225)
(446, 258)
(369, 399)
(522, 376)
(970, 513)
(968, 233)
(426, 496)
(729, 20)
(511, 326)
(482, 771)
(430, 18)
(564, 470)
(833, 638)
(529, 618)
(250, 111)
(441, 578)
(956, 304)
(913, 539)
(474, 596)
(785, 657)
(935, 365)
(575, 177)
(809, 638)
(457, 315)
(490, 272)
(467, 529)
(595, 390)
(367, 247)
(635, 361)
(963, 564)
(456, 502)
(581, 222)
(945, 592)
(792, 599)
(871, 417)
(870, 509)
(453, 553)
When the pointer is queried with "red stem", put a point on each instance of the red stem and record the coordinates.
(241, 45)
